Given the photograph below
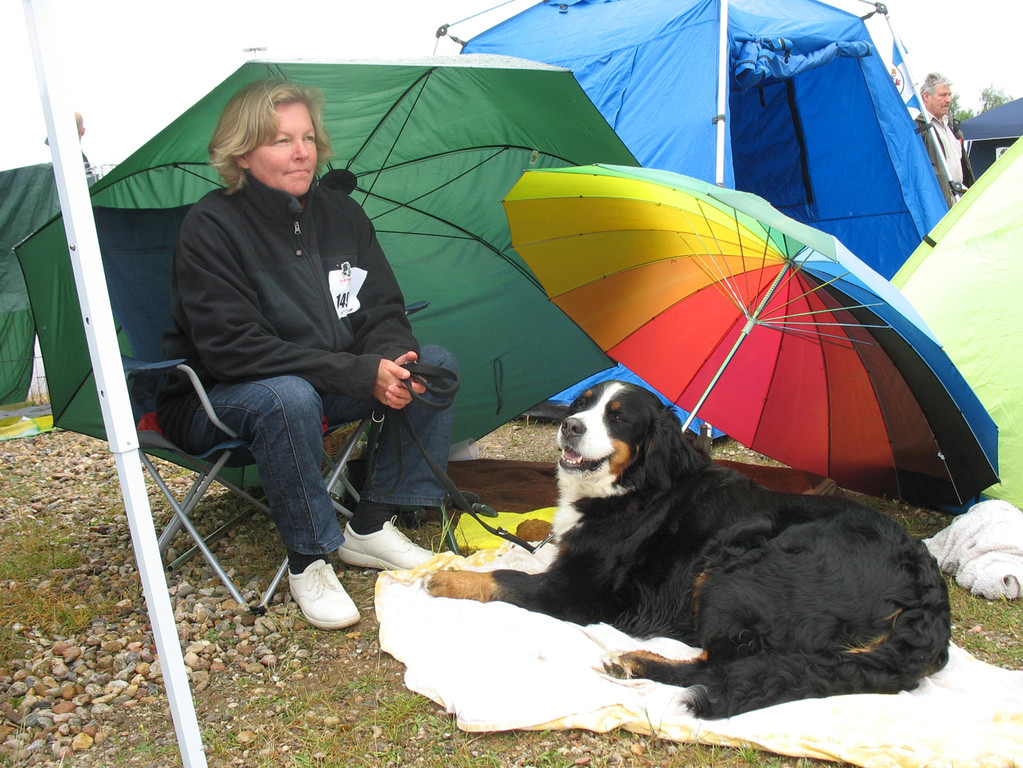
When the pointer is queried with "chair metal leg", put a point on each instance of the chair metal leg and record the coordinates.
(183, 520)
(337, 485)
(199, 487)
(254, 504)
(211, 559)
(188, 554)
(337, 475)
(271, 590)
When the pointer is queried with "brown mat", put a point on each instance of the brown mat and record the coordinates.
(506, 485)
(522, 486)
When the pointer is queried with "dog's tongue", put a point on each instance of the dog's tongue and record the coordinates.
(571, 456)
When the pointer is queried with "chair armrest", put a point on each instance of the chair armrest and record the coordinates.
(200, 390)
(416, 306)
(141, 369)
(135, 368)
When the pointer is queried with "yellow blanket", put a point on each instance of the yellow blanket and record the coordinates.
(471, 536)
(21, 426)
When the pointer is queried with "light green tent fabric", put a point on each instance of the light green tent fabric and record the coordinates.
(28, 198)
(968, 286)
(435, 145)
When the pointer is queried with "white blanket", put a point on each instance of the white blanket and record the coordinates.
(497, 667)
(983, 549)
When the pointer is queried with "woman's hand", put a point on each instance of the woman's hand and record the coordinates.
(390, 388)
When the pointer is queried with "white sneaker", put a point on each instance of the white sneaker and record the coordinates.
(323, 600)
(388, 549)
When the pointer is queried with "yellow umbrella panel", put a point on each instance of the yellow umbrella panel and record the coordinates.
(612, 255)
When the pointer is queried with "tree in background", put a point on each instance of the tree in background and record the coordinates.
(990, 98)
(959, 114)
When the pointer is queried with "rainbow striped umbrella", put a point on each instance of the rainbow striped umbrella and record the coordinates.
(767, 328)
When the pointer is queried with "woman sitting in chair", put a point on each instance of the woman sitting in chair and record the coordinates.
(288, 310)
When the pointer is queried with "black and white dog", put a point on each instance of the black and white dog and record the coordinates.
(790, 596)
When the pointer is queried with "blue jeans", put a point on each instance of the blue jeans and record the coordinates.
(282, 417)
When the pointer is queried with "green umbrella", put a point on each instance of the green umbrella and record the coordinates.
(434, 146)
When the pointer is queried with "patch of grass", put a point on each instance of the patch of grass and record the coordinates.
(31, 547)
(988, 629)
(34, 556)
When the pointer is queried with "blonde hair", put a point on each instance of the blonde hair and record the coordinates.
(250, 120)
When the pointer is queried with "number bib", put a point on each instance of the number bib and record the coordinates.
(344, 283)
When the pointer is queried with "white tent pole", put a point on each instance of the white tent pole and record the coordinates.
(720, 120)
(90, 282)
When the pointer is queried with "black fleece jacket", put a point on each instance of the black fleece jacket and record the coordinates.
(252, 299)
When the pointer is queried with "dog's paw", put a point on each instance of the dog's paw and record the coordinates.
(621, 665)
(462, 585)
(441, 583)
(614, 666)
(626, 665)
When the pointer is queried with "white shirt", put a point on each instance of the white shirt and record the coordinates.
(951, 147)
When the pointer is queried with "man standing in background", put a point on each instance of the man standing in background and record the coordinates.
(941, 134)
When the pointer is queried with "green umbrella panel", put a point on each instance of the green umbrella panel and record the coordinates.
(434, 146)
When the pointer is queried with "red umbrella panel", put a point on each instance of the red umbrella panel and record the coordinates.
(811, 388)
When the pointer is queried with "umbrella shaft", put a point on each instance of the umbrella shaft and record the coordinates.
(731, 353)
(751, 321)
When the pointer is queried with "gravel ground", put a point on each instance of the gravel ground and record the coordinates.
(80, 684)
(79, 680)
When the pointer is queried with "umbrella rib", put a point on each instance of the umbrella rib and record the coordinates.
(461, 150)
(525, 272)
(181, 166)
(417, 84)
(816, 335)
(727, 280)
(814, 290)
(711, 267)
(789, 320)
(453, 179)
(498, 149)
(762, 256)
(827, 311)
(776, 316)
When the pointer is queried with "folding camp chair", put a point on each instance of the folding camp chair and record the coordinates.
(137, 248)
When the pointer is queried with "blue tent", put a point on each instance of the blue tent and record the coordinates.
(621, 373)
(812, 120)
(992, 133)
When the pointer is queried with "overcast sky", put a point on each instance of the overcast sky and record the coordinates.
(134, 65)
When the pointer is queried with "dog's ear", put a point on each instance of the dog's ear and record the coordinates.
(667, 453)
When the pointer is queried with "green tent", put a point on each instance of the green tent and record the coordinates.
(434, 145)
(967, 283)
(28, 198)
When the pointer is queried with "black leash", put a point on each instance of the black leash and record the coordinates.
(441, 386)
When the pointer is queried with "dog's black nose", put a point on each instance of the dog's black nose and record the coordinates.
(572, 427)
